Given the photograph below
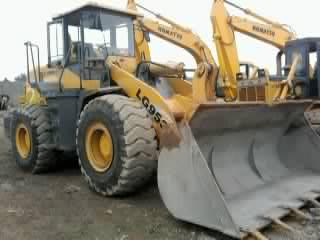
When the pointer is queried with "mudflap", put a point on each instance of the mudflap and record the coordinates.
(238, 166)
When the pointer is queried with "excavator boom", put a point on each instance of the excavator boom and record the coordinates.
(142, 50)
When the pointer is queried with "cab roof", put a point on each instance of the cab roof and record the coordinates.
(97, 6)
(307, 42)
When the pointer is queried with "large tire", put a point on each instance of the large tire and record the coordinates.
(134, 145)
(41, 157)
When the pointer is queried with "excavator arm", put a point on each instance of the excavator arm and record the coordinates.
(270, 34)
(266, 30)
(174, 33)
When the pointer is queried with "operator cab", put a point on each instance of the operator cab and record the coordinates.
(307, 76)
(80, 41)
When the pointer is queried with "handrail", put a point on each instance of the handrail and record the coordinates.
(37, 73)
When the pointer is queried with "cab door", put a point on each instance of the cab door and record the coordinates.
(56, 43)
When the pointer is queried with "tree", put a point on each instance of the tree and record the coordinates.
(21, 78)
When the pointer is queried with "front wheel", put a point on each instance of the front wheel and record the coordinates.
(116, 145)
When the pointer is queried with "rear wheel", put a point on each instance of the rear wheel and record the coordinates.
(116, 145)
(31, 139)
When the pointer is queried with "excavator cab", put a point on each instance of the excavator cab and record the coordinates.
(307, 75)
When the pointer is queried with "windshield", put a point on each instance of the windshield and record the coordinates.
(107, 34)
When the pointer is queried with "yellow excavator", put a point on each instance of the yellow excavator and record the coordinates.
(297, 69)
(224, 28)
(300, 66)
(225, 164)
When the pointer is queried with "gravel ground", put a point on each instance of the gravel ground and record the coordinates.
(60, 206)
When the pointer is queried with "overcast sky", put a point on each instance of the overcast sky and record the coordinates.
(26, 20)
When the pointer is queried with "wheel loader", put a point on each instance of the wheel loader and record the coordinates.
(228, 165)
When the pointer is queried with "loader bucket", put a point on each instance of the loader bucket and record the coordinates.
(238, 166)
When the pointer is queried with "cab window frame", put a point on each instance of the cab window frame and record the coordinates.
(61, 56)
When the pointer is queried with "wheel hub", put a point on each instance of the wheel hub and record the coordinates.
(23, 141)
(99, 146)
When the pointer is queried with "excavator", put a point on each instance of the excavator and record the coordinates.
(229, 165)
(297, 53)
(224, 28)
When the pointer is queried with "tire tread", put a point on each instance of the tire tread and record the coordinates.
(139, 152)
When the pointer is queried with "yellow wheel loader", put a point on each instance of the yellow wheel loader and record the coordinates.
(231, 166)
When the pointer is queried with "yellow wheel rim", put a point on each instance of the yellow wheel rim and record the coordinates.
(99, 146)
(23, 141)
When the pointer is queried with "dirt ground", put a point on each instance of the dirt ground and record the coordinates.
(60, 206)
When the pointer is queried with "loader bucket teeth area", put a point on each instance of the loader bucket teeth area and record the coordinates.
(240, 165)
